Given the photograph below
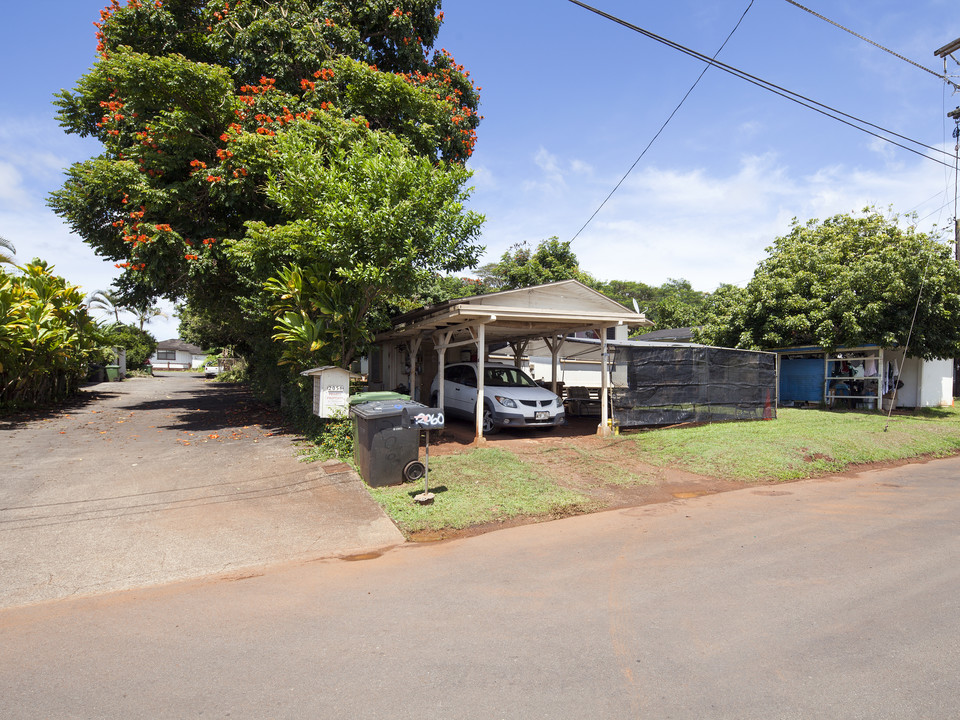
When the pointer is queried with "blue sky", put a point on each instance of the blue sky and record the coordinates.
(570, 101)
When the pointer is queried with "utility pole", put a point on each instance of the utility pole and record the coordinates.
(955, 114)
(943, 53)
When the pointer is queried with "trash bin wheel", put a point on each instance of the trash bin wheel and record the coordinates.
(414, 470)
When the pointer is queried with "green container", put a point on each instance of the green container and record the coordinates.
(375, 396)
(113, 373)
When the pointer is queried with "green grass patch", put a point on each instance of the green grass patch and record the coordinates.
(801, 443)
(599, 464)
(479, 486)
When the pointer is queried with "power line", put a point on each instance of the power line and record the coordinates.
(819, 107)
(662, 127)
(877, 45)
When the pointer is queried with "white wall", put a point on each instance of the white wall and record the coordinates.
(926, 383)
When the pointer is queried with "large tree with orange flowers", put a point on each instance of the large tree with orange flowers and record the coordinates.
(245, 139)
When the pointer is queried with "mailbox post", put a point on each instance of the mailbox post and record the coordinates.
(331, 390)
(426, 419)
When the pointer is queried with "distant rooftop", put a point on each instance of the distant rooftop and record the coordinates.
(178, 344)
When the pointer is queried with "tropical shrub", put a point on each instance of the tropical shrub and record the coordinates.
(46, 336)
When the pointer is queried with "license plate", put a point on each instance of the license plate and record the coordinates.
(542, 416)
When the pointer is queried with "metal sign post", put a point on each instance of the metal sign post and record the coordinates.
(426, 419)
(426, 496)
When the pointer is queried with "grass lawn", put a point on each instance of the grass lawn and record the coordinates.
(802, 443)
(482, 485)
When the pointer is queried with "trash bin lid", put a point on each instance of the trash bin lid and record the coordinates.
(383, 408)
(372, 396)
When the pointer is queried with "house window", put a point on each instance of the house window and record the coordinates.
(166, 354)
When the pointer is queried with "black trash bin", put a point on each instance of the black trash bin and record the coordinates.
(382, 446)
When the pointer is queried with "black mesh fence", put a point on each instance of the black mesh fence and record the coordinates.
(676, 384)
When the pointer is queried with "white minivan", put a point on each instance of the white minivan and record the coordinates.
(511, 398)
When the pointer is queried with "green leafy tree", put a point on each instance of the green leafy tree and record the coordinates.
(138, 343)
(248, 136)
(679, 305)
(846, 281)
(521, 266)
(673, 304)
(626, 292)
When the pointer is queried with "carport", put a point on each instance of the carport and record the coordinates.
(472, 325)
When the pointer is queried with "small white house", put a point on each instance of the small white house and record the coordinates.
(177, 355)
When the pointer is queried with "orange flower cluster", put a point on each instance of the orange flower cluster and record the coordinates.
(461, 114)
(324, 74)
(132, 266)
(190, 256)
(233, 131)
(136, 239)
(104, 16)
(214, 178)
(209, 241)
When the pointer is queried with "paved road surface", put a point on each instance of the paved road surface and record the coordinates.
(153, 480)
(827, 599)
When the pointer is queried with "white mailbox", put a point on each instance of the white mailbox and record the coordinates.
(331, 390)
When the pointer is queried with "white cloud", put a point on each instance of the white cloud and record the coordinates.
(698, 224)
(11, 186)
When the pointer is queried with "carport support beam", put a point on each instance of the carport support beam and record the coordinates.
(604, 430)
(481, 347)
(554, 343)
(414, 348)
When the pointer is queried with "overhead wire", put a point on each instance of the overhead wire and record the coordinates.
(662, 127)
(809, 103)
(875, 44)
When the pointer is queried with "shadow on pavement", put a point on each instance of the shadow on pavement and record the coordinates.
(21, 418)
(215, 406)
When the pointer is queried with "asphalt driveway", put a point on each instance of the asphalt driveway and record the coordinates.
(153, 480)
(835, 598)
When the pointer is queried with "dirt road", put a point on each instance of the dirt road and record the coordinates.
(152, 480)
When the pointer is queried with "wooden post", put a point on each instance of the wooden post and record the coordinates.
(604, 430)
(414, 347)
(481, 353)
